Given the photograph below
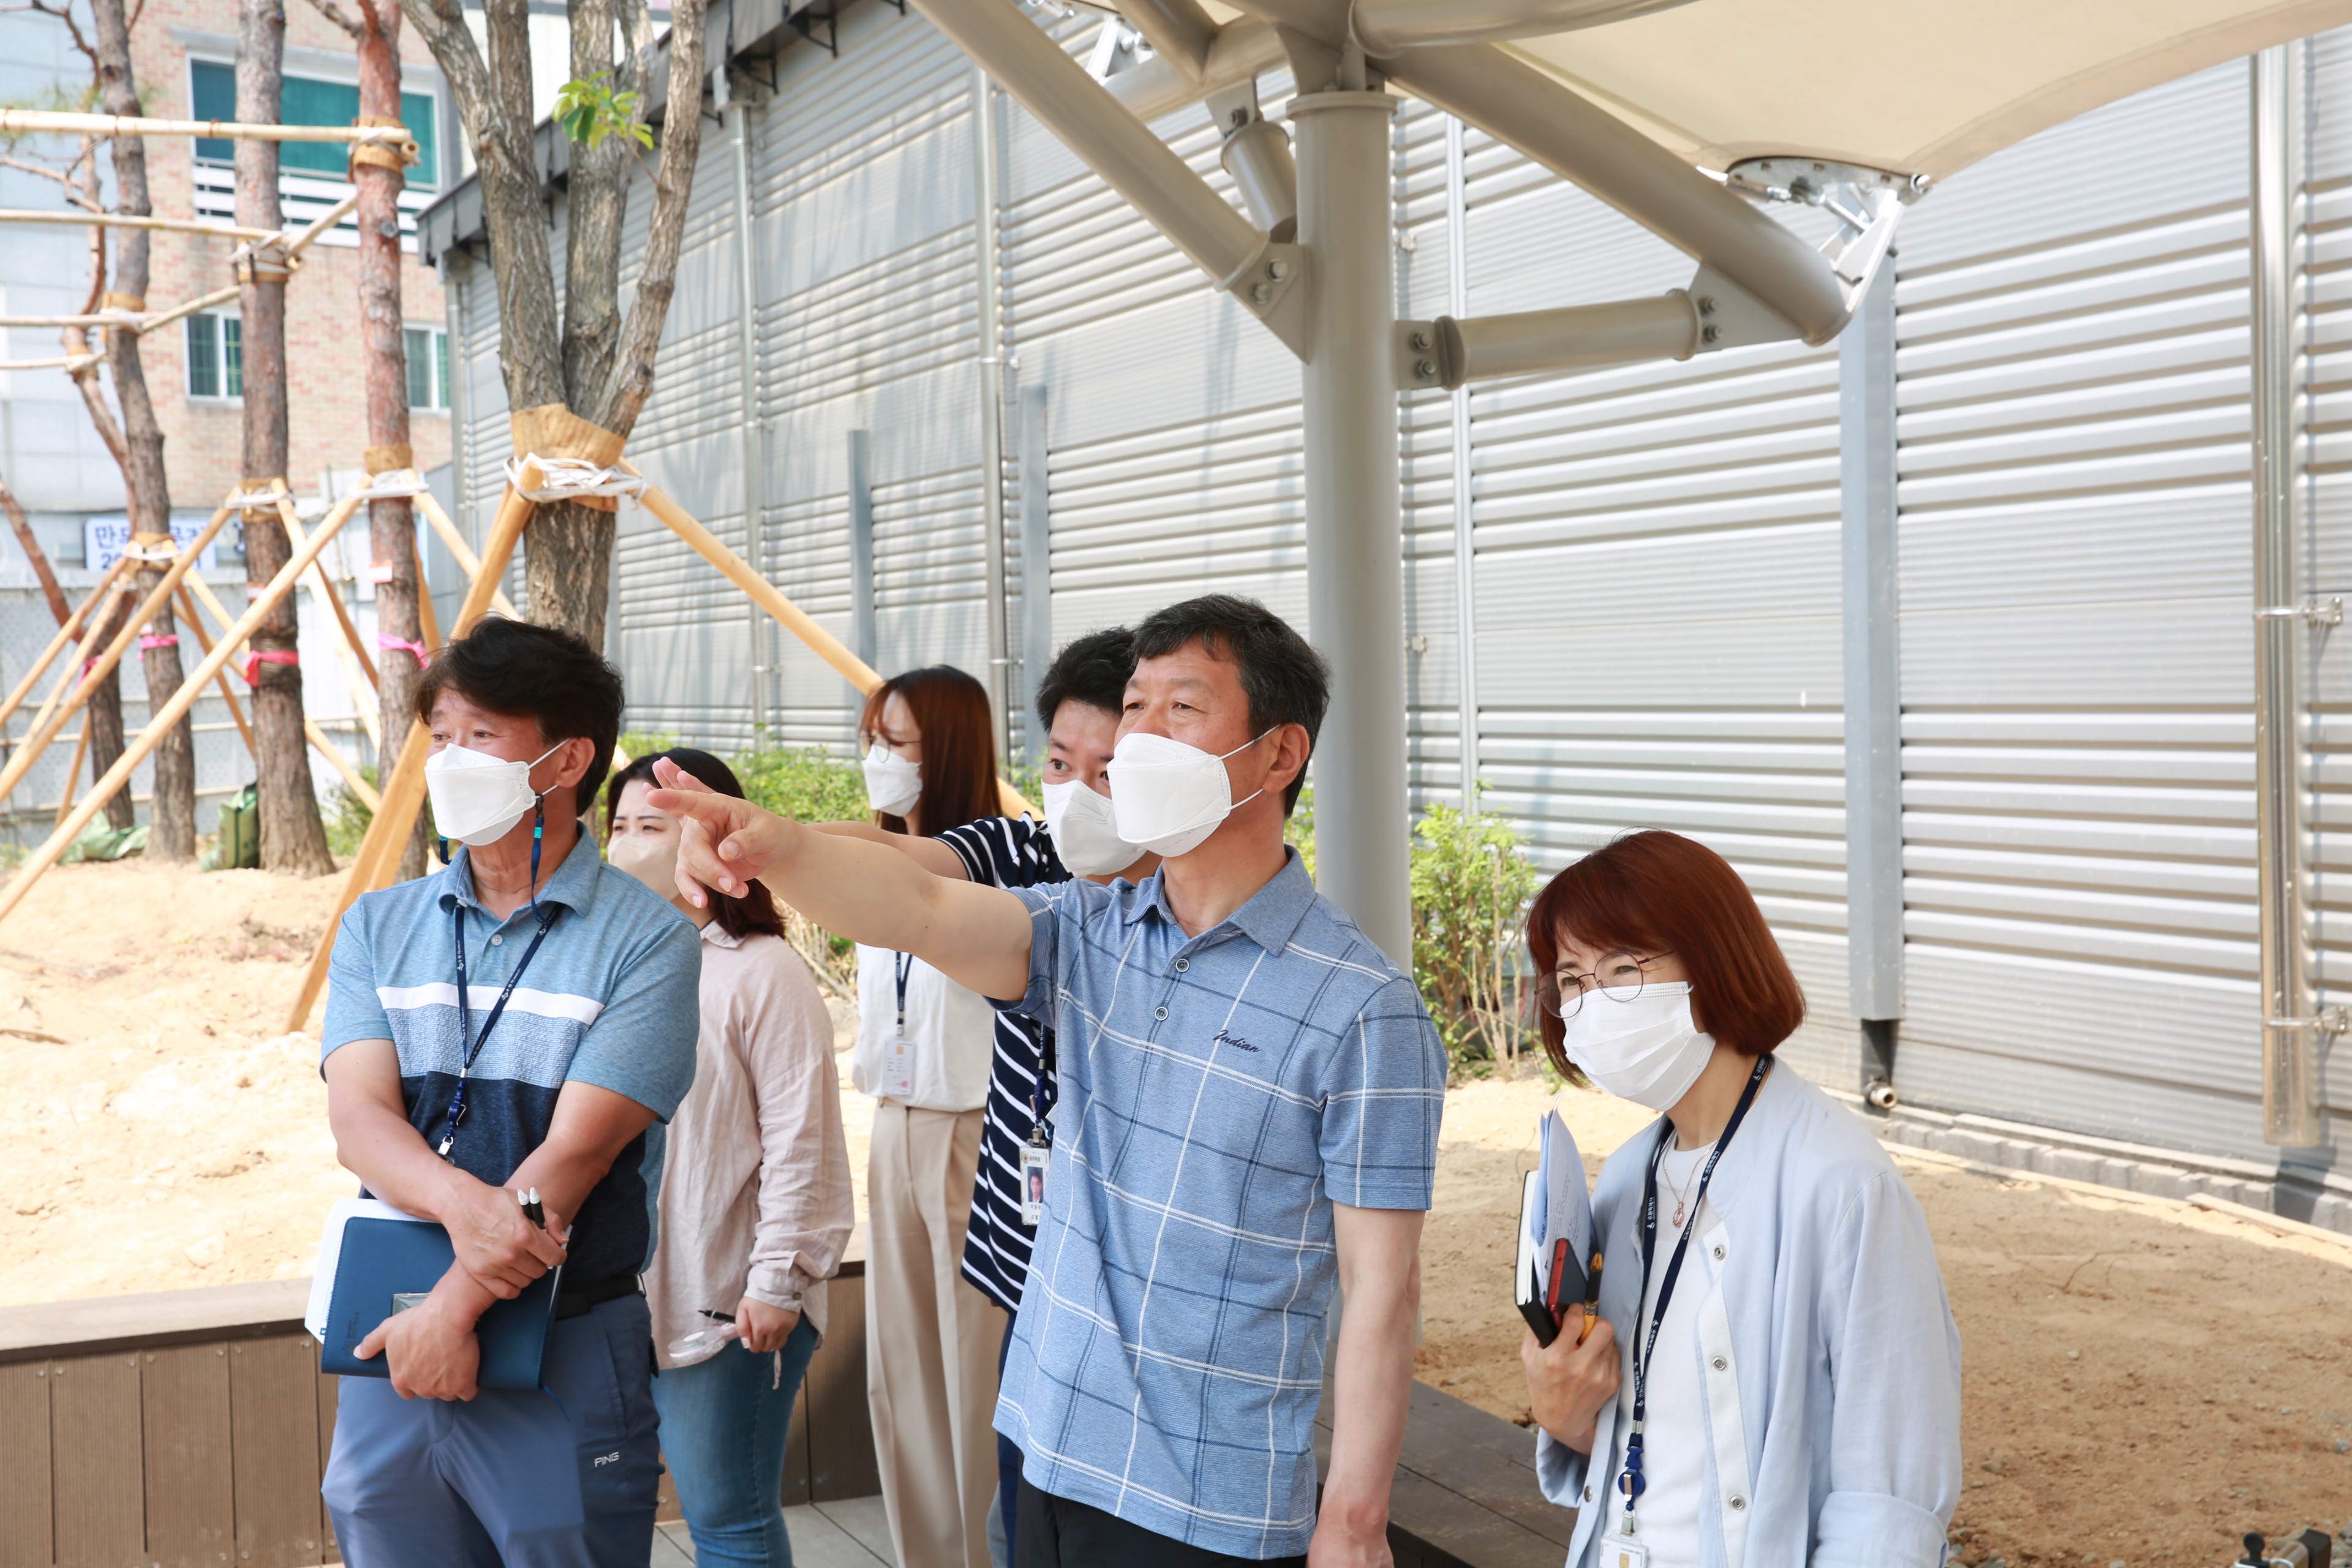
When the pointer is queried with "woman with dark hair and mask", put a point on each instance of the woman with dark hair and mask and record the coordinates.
(1775, 1375)
(923, 1050)
(757, 1205)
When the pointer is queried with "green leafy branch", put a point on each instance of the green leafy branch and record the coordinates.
(591, 109)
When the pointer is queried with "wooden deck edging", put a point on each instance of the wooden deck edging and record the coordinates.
(193, 1426)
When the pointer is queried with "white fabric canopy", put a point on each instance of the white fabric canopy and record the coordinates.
(1912, 86)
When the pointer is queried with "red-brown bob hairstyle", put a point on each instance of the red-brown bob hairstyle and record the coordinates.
(950, 708)
(1654, 892)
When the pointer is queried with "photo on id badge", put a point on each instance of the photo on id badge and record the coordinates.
(1623, 1551)
(1032, 1182)
(898, 1068)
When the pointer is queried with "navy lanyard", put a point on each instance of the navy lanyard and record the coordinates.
(902, 965)
(1037, 1088)
(1629, 1482)
(465, 1016)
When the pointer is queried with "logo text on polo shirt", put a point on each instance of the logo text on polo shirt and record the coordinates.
(1234, 1040)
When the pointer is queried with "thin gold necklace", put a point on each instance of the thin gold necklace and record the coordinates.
(1682, 1197)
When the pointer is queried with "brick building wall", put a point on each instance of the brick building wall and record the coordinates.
(325, 399)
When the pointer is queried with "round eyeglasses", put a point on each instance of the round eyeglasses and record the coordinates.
(1619, 976)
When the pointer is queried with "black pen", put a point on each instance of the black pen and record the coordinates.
(531, 1210)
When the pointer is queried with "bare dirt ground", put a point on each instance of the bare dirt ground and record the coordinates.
(2143, 1381)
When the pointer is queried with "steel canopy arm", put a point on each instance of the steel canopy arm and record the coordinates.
(1178, 30)
(1517, 105)
(1083, 115)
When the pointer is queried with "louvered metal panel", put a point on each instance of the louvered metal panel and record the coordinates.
(2327, 450)
(1657, 586)
(862, 207)
(1433, 612)
(2077, 672)
(682, 635)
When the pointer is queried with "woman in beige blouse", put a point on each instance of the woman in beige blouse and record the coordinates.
(755, 1203)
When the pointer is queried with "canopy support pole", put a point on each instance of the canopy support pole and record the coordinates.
(1355, 543)
(2294, 1033)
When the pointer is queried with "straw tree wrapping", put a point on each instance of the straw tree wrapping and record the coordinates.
(293, 838)
(587, 358)
(173, 811)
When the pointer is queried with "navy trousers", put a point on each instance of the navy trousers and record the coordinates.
(566, 1478)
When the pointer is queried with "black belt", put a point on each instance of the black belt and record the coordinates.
(575, 1300)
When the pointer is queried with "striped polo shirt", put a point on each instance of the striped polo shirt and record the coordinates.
(1219, 1092)
(1007, 852)
(613, 998)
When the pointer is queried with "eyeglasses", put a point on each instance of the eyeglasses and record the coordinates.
(1619, 976)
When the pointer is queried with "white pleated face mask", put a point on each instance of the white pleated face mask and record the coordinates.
(650, 857)
(1646, 1050)
(1167, 797)
(1085, 833)
(892, 783)
(478, 798)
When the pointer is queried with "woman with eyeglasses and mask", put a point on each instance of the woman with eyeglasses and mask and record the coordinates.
(1775, 1375)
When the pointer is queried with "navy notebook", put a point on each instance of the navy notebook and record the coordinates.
(380, 1258)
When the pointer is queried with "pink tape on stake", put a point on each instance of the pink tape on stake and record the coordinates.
(254, 661)
(385, 643)
(148, 639)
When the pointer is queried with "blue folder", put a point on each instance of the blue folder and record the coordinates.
(384, 1258)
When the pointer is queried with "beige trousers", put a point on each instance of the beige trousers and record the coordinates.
(931, 1340)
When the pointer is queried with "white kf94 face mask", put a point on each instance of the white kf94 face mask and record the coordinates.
(650, 858)
(1085, 833)
(892, 783)
(478, 798)
(1167, 797)
(1646, 1050)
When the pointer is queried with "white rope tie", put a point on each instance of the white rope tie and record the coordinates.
(252, 500)
(392, 484)
(163, 554)
(569, 478)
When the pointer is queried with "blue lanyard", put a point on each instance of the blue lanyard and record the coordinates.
(466, 1017)
(1630, 1483)
(902, 965)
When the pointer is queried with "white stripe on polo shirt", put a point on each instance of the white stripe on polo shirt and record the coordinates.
(581, 1010)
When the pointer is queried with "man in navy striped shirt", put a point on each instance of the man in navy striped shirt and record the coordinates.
(1078, 704)
(1251, 1092)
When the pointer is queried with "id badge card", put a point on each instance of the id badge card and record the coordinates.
(1032, 1182)
(898, 1068)
(1621, 1551)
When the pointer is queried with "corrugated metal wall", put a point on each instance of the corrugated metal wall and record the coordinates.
(1655, 587)
(2077, 684)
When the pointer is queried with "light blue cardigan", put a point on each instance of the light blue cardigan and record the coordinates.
(1829, 1357)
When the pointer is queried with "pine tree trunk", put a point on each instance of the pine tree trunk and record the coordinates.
(568, 572)
(392, 524)
(102, 715)
(293, 838)
(173, 809)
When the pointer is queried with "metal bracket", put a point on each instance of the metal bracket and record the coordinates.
(1729, 317)
(1420, 358)
(2336, 1020)
(2328, 612)
(1264, 287)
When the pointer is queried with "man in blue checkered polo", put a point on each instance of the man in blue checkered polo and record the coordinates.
(1250, 1102)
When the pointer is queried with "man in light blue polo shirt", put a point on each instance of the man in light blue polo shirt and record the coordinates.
(1250, 1096)
(525, 1018)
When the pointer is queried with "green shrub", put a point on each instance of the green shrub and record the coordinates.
(349, 816)
(809, 784)
(1471, 887)
(1298, 832)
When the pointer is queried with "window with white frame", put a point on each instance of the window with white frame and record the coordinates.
(216, 355)
(428, 367)
(312, 176)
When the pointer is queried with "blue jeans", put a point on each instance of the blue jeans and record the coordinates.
(723, 1426)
